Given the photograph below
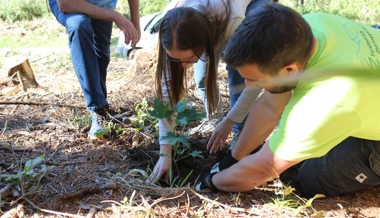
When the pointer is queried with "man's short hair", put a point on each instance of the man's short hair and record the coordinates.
(271, 38)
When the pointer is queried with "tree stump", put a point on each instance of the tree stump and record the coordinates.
(20, 66)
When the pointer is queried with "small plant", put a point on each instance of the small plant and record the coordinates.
(181, 183)
(290, 200)
(143, 119)
(110, 127)
(82, 120)
(183, 113)
(28, 171)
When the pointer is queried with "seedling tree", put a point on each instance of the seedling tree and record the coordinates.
(182, 113)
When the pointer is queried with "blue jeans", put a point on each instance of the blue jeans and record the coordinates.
(89, 42)
(352, 165)
(235, 81)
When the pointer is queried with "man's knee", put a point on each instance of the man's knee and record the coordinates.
(78, 23)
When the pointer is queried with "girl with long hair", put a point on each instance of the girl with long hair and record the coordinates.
(194, 32)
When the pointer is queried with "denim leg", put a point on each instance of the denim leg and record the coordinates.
(200, 69)
(102, 44)
(89, 41)
(352, 165)
(236, 83)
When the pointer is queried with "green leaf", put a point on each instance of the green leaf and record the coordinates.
(180, 106)
(181, 151)
(309, 203)
(183, 140)
(196, 153)
(102, 132)
(181, 120)
(38, 160)
(173, 139)
(188, 115)
(29, 172)
(28, 165)
(160, 110)
(186, 178)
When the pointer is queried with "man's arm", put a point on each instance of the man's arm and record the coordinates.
(251, 171)
(254, 170)
(262, 119)
(83, 7)
(134, 8)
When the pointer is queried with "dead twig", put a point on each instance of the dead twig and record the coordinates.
(64, 142)
(217, 203)
(90, 189)
(38, 104)
(15, 149)
(53, 212)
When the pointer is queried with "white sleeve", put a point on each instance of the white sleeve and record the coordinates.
(243, 105)
(238, 8)
(164, 126)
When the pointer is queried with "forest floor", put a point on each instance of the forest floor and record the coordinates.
(49, 168)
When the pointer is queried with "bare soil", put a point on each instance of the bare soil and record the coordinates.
(80, 177)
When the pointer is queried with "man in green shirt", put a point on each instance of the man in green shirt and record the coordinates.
(321, 74)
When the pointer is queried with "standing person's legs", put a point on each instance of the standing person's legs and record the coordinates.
(85, 60)
(200, 70)
(87, 48)
(102, 42)
(89, 42)
(352, 165)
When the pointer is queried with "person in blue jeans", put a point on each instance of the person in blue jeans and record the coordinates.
(195, 33)
(88, 24)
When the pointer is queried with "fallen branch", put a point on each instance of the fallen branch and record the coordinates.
(217, 203)
(38, 104)
(90, 189)
(54, 212)
(15, 149)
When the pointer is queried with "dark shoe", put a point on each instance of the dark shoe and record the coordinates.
(227, 161)
(98, 117)
(114, 116)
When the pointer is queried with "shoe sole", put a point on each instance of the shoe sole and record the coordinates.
(101, 138)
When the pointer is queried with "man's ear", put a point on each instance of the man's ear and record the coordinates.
(290, 70)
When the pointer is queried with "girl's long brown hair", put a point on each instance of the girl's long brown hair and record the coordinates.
(201, 31)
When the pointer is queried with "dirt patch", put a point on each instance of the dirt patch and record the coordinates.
(79, 176)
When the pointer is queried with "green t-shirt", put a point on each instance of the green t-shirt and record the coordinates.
(337, 96)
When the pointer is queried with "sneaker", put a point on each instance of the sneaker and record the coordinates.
(98, 117)
(215, 168)
(227, 161)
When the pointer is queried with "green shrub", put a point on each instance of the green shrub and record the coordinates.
(146, 6)
(16, 10)
(364, 11)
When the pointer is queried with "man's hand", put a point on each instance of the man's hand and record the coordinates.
(207, 183)
(219, 135)
(132, 36)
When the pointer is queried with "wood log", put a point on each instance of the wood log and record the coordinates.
(20, 64)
